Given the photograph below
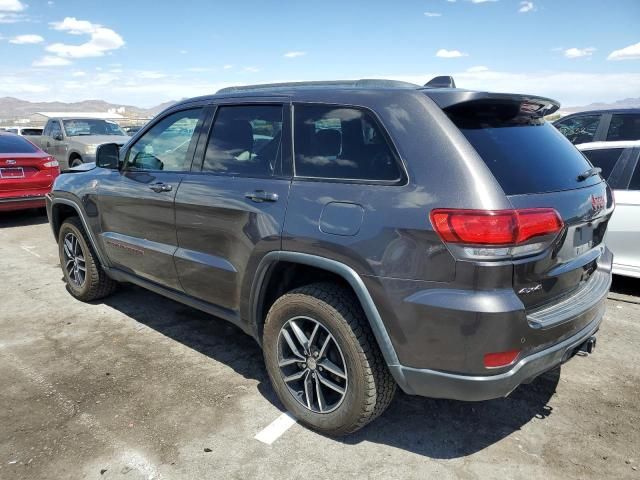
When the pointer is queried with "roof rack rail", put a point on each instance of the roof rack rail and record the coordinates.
(443, 81)
(362, 83)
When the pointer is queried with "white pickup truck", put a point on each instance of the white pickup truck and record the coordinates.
(73, 141)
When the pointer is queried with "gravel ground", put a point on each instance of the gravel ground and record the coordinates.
(140, 387)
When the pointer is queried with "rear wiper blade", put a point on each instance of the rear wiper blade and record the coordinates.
(589, 173)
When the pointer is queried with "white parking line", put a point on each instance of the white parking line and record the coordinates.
(276, 428)
(28, 250)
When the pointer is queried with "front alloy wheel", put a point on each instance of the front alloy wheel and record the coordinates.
(74, 260)
(312, 365)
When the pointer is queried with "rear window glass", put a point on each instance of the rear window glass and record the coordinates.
(15, 144)
(605, 158)
(525, 154)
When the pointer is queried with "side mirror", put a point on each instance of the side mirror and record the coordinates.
(108, 156)
(58, 137)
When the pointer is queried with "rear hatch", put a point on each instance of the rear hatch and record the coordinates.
(538, 168)
(24, 169)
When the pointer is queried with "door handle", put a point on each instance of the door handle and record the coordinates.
(261, 196)
(161, 187)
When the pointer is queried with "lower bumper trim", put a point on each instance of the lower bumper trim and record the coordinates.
(436, 384)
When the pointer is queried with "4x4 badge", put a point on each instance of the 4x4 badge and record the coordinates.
(526, 290)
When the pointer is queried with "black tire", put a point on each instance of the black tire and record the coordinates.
(75, 162)
(370, 388)
(96, 283)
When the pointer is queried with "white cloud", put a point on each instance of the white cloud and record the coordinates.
(251, 69)
(26, 39)
(483, 1)
(479, 68)
(151, 75)
(8, 17)
(526, 7)
(579, 52)
(632, 52)
(102, 39)
(451, 1)
(444, 53)
(79, 74)
(432, 14)
(183, 52)
(51, 61)
(228, 67)
(295, 54)
(12, 6)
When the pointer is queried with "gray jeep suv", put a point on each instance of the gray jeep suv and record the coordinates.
(369, 235)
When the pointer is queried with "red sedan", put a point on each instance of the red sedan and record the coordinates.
(26, 173)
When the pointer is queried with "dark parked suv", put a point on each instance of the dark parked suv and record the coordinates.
(367, 234)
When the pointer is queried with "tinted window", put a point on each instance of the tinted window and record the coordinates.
(341, 142)
(32, 131)
(55, 129)
(624, 127)
(166, 145)
(525, 154)
(605, 159)
(580, 129)
(245, 140)
(635, 179)
(15, 144)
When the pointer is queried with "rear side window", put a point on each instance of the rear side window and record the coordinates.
(624, 127)
(524, 153)
(245, 140)
(580, 129)
(15, 144)
(605, 158)
(346, 143)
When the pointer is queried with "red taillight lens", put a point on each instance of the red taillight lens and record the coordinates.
(494, 227)
(500, 359)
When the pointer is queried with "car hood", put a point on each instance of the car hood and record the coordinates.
(99, 139)
(83, 167)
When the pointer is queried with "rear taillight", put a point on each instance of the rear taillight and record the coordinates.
(50, 163)
(495, 227)
(491, 229)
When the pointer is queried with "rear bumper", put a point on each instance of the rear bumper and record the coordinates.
(22, 203)
(431, 383)
(440, 335)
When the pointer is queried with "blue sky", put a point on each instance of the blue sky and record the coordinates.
(144, 52)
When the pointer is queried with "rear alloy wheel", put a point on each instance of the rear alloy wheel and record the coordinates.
(86, 279)
(313, 366)
(323, 360)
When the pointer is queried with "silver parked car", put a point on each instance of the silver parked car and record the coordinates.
(620, 167)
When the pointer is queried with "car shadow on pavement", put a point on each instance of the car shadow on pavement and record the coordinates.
(434, 428)
(23, 218)
(625, 285)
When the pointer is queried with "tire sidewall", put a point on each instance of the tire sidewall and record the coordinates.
(349, 411)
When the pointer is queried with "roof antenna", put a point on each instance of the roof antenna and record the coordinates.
(443, 81)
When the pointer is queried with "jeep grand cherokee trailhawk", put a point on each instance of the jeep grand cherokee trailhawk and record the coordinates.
(368, 234)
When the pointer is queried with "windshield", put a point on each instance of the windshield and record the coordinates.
(90, 126)
(525, 154)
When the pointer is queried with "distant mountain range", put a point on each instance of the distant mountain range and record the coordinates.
(626, 103)
(13, 108)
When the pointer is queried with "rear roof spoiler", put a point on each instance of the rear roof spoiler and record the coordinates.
(448, 97)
